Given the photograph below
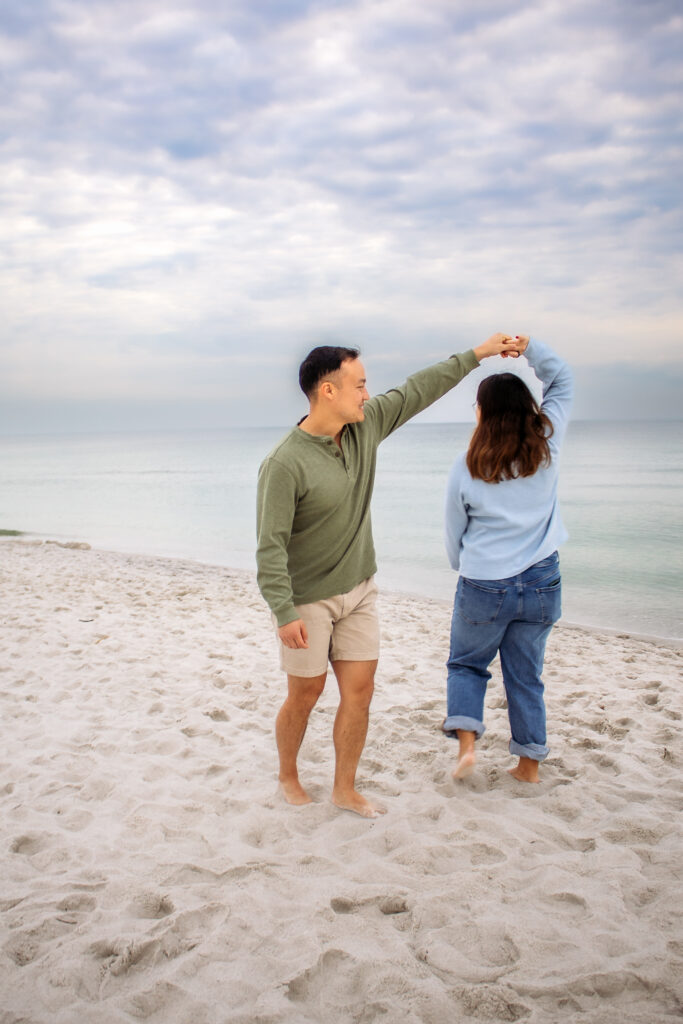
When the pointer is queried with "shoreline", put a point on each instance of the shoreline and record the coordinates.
(672, 642)
(153, 870)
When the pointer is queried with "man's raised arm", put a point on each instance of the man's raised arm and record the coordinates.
(398, 405)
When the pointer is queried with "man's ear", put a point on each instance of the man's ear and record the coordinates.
(326, 389)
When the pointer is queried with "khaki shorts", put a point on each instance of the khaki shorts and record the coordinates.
(340, 628)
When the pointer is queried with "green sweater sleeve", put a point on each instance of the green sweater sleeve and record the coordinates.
(391, 410)
(275, 507)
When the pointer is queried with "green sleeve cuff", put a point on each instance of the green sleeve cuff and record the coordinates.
(469, 359)
(286, 615)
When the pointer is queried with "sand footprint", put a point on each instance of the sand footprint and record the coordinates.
(118, 955)
(329, 979)
(492, 1002)
(29, 845)
(163, 942)
(388, 905)
(632, 832)
(480, 853)
(74, 821)
(570, 900)
(605, 762)
(167, 1001)
(76, 906)
(28, 945)
(23, 949)
(468, 953)
(217, 715)
(151, 906)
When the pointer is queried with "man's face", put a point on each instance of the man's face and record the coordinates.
(351, 393)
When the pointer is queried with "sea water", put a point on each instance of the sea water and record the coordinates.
(193, 495)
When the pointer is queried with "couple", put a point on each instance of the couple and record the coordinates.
(316, 558)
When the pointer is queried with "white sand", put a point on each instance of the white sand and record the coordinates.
(151, 871)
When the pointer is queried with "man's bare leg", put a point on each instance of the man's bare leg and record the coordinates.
(526, 770)
(466, 755)
(356, 681)
(290, 728)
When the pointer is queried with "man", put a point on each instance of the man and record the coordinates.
(315, 552)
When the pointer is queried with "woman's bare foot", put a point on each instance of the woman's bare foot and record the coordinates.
(466, 754)
(526, 770)
(294, 793)
(465, 765)
(353, 801)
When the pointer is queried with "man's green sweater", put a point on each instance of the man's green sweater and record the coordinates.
(313, 515)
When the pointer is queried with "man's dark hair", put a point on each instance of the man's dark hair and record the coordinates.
(320, 362)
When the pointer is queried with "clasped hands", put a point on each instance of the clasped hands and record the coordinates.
(502, 345)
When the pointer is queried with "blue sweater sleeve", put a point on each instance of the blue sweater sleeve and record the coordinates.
(556, 378)
(456, 512)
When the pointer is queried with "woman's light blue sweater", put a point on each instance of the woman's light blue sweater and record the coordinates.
(494, 531)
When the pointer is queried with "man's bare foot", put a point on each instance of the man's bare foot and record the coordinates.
(353, 801)
(526, 770)
(465, 765)
(294, 792)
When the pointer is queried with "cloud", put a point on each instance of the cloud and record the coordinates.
(184, 184)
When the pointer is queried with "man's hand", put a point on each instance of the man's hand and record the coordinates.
(498, 344)
(294, 634)
(521, 341)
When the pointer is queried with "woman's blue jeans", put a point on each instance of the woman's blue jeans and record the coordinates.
(513, 616)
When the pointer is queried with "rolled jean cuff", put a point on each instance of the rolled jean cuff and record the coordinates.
(534, 751)
(454, 722)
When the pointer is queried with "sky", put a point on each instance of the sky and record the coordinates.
(192, 195)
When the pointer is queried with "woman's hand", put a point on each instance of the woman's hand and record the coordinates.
(498, 345)
(521, 341)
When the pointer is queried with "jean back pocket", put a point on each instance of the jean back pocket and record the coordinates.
(550, 600)
(478, 604)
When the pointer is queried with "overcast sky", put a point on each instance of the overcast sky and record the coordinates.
(194, 194)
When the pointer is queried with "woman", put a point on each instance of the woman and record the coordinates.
(503, 528)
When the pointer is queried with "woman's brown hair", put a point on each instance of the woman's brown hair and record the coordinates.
(511, 437)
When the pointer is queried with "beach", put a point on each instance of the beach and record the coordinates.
(152, 870)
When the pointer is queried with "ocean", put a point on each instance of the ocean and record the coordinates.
(192, 495)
